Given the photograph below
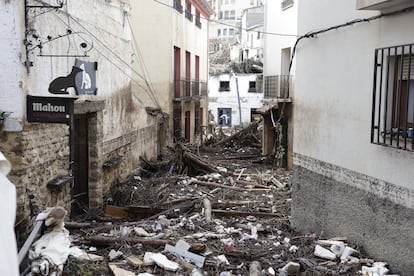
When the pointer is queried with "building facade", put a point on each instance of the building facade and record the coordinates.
(75, 123)
(233, 99)
(278, 78)
(176, 60)
(353, 117)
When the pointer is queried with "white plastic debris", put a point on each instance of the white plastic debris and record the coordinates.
(324, 253)
(186, 255)
(141, 232)
(377, 269)
(271, 271)
(114, 254)
(52, 250)
(293, 249)
(145, 274)
(162, 261)
(338, 249)
(291, 268)
(347, 252)
(222, 259)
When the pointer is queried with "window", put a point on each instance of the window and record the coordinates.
(286, 4)
(227, 15)
(252, 86)
(188, 14)
(224, 32)
(224, 117)
(231, 32)
(258, 35)
(393, 97)
(251, 2)
(218, 32)
(233, 14)
(178, 6)
(224, 86)
(198, 19)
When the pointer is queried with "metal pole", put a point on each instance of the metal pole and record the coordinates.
(238, 97)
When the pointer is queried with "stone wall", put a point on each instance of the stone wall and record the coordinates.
(376, 215)
(38, 154)
(122, 154)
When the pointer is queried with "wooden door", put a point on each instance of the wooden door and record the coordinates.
(80, 154)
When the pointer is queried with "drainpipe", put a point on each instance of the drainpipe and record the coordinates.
(238, 96)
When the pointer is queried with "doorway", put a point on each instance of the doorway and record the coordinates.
(80, 165)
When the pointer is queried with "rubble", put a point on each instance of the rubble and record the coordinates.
(189, 216)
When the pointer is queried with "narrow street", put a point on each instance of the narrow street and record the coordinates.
(210, 210)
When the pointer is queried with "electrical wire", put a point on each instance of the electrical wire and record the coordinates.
(227, 24)
(118, 58)
(117, 66)
(142, 61)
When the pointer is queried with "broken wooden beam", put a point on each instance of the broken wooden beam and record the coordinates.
(217, 185)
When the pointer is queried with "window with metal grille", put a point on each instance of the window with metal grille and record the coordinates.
(393, 97)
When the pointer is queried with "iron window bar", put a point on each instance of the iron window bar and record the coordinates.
(392, 118)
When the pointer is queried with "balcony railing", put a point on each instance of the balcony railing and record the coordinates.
(277, 86)
(188, 15)
(187, 90)
(198, 22)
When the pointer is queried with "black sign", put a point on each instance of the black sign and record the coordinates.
(86, 79)
(49, 109)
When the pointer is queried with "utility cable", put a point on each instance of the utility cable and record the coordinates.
(227, 24)
(151, 95)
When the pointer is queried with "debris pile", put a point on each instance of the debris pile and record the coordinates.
(207, 211)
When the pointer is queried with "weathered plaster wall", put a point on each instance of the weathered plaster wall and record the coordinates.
(40, 152)
(11, 58)
(346, 185)
(156, 46)
(375, 214)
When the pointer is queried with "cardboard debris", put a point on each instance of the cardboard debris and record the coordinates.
(117, 271)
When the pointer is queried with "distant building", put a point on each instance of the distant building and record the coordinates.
(176, 61)
(234, 98)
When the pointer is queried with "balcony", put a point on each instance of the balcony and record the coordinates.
(198, 22)
(177, 5)
(188, 15)
(382, 5)
(187, 90)
(278, 87)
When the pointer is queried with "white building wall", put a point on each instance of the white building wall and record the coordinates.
(228, 99)
(173, 29)
(333, 100)
(280, 33)
(11, 58)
